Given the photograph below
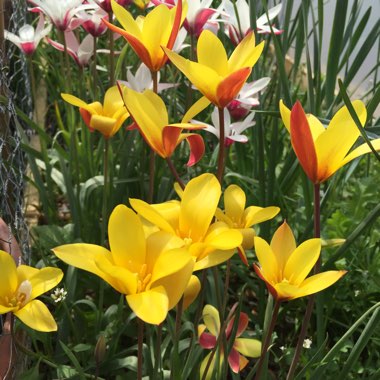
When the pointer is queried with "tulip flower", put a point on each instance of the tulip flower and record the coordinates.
(322, 151)
(241, 347)
(106, 4)
(235, 215)
(247, 98)
(239, 25)
(147, 34)
(153, 273)
(106, 118)
(81, 53)
(142, 4)
(232, 131)
(198, 14)
(28, 38)
(218, 78)
(191, 220)
(19, 286)
(149, 113)
(284, 267)
(61, 13)
(93, 23)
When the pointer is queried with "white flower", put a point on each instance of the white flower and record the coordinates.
(232, 131)
(28, 38)
(307, 343)
(59, 295)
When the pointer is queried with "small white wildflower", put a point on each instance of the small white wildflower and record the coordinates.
(59, 295)
(307, 343)
(282, 348)
(356, 293)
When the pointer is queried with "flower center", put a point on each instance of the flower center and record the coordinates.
(21, 297)
(143, 279)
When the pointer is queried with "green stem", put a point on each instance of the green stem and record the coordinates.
(32, 81)
(94, 72)
(176, 371)
(157, 359)
(222, 146)
(112, 52)
(140, 341)
(105, 191)
(310, 304)
(267, 341)
(175, 173)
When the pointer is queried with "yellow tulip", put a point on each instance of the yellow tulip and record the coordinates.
(106, 118)
(152, 272)
(147, 34)
(218, 78)
(191, 220)
(322, 151)
(142, 4)
(149, 113)
(235, 215)
(284, 267)
(19, 286)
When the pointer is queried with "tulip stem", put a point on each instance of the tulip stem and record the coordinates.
(157, 359)
(175, 373)
(267, 341)
(175, 173)
(222, 150)
(94, 73)
(112, 52)
(140, 341)
(310, 304)
(105, 191)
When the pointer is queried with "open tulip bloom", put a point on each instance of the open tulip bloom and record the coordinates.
(322, 151)
(149, 113)
(147, 34)
(191, 220)
(152, 272)
(106, 118)
(241, 347)
(284, 267)
(19, 288)
(28, 38)
(216, 76)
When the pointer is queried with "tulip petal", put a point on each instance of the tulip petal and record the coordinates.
(211, 53)
(113, 102)
(43, 280)
(195, 109)
(219, 236)
(359, 151)
(170, 137)
(303, 143)
(255, 215)
(197, 148)
(9, 281)
(331, 147)
(126, 238)
(126, 20)
(179, 17)
(248, 347)
(103, 124)
(234, 203)
(213, 258)
(302, 260)
(283, 244)
(198, 205)
(269, 286)
(229, 87)
(267, 259)
(211, 319)
(242, 325)
(150, 306)
(151, 214)
(234, 361)
(37, 316)
(191, 292)
(207, 341)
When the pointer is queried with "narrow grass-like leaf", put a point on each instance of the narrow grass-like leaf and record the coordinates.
(73, 360)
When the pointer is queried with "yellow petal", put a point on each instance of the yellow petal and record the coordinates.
(149, 212)
(127, 239)
(302, 260)
(198, 205)
(37, 316)
(150, 306)
(191, 292)
(267, 259)
(9, 282)
(73, 100)
(204, 79)
(44, 280)
(248, 347)
(234, 203)
(248, 237)
(286, 291)
(126, 20)
(113, 102)
(246, 53)
(285, 115)
(103, 124)
(173, 270)
(211, 53)
(255, 215)
(283, 244)
(211, 319)
(333, 145)
(214, 258)
(195, 109)
(359, 151)
(320, 282)
(219, 236)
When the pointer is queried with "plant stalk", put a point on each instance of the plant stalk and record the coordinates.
(175, 173)
(222, 146)
(140, 341)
